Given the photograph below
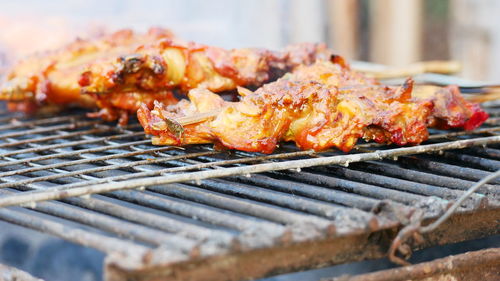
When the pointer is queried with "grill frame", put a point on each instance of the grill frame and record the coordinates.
(255, 220)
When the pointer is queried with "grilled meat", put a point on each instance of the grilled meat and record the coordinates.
(51, 79)
(174, 65)
(450, 109)
(117, 72)
(318, 107)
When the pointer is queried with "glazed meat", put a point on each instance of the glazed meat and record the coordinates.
(171, 64)
(318, 107)
(449, 110)
(49, 80)
(116, 73)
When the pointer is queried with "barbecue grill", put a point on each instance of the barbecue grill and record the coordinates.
(195, 213)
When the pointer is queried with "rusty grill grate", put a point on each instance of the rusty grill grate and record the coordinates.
(198, 206)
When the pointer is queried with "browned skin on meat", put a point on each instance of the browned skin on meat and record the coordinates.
(115, 71)
(318, 107)
(51, 79)
(451, 110)
(171, 64)
(310, 113)
(174, 65)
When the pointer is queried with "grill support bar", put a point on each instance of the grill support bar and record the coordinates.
(479, 265)
(299, 256)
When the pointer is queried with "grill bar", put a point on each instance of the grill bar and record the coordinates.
(212, 216)
(276, 198)
(96, 159)
(274, 214)
(71, 126)
(71, 153)
(184, 168)
(373, 191)
(56, 193)
(312, 191)
(15, 183)
(144, 218)
(74, 163)
(59, 136)
(399, 184)
(465, 133)
(423, 177)
(18, 124)
(67, 144)
(102, 243)
(149, 219)
(447, 169)
(120, 228)
(10, 118)
(487, 164)
(484, 151)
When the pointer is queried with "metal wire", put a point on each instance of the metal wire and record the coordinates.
(71, 126)
(17, 124)
(459, 202)
(415, 229)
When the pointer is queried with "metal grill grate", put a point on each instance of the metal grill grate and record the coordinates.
(200, 206)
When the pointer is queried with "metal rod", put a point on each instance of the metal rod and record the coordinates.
(162, 222)
(363, 189)
(57, 137)
(399, 184)
(79, 172)
(447, 135)
(481, 265)
(415, 229)
(69, 144)
(190, 210)
(106, 223)
(51, 129)
(56, 193)
(459, 202)
(20, 124)
(96, 159)
(312, 191)
(11, 117)
(265, 211)
(485, 151)
(446, 169)
(191, 167)
(100, 242)
(298, 203)
(419, 176)
(71, 153)
(474, 161)
(464, 133)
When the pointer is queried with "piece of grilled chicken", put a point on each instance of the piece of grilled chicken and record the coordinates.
(49, 81)
(318, 107)
(116, 73)
(173, 65)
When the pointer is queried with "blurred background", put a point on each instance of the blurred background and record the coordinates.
(394, 32)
